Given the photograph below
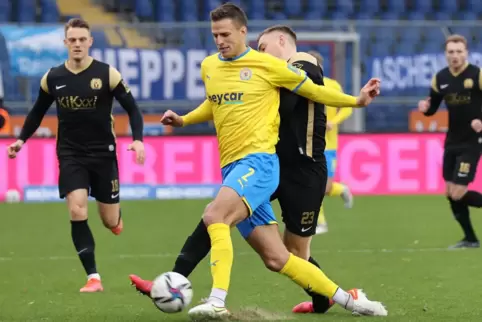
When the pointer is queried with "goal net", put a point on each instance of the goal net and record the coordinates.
(341, 53)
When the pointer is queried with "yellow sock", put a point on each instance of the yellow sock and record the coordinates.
(336, 189)
(321, 217)
(221, 255)
(309, 276)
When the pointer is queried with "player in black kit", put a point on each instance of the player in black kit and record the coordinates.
(303, 169)
(83, 89)
(460, 86)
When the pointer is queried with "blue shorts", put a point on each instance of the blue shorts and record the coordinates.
(254, 178)
(330, 156)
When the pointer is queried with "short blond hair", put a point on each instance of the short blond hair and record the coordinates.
(318, 56)
(456, 39)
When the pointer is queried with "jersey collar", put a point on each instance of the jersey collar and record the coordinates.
(235, 57)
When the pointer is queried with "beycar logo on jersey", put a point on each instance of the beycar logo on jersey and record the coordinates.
(227, 98)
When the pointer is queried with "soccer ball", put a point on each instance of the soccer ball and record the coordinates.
(12, 196)
(171, 292)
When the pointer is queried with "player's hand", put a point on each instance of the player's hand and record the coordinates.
(138, 148)
(14, 148)
(476, 125)
(172, 119)
(369, 92)
(424, 105)
(329, 126)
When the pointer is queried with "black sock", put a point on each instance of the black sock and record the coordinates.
(472, 198)
(84, 244)
(461, 214)
(196, 247)
(321, 303)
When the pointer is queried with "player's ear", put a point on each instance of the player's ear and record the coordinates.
(244, 30)
(282, 40)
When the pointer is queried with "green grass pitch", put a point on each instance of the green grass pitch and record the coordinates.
(392, 247)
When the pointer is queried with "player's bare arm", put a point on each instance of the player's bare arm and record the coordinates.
(202, 113)
(124, 96)
(34, 117)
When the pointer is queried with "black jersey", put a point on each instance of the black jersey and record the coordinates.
(84, 103)
(303, 122)
(462, 94)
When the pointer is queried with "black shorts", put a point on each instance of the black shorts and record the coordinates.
(300, 194)
(100, 176)
(460, 165)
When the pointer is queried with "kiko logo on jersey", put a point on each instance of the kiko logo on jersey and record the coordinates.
(227, 98)
(76, 102)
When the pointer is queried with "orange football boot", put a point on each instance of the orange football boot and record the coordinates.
(143, 286)
(117, 230)
(307, 307)
(93, 285)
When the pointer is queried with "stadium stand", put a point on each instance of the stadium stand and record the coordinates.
(377, 42)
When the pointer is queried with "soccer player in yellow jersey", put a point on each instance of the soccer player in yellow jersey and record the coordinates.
(242, 89)
(335, 116)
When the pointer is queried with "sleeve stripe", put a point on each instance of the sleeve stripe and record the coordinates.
(299, 85)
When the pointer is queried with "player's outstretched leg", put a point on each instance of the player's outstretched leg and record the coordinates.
(226, 209)
(111, 216)
(83, 239)
(267, 242)
(195, 248)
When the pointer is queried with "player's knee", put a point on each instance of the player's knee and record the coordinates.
(457, 192)
(78, 211)
(212, 216)
(275, 261)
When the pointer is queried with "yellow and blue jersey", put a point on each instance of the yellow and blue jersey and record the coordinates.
(243, 97)
(243, 100)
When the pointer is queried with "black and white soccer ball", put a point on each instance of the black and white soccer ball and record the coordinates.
(171, 292)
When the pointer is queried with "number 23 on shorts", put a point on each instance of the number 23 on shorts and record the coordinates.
(244, 178)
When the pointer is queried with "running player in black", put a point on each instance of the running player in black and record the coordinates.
(83, 89)
(460, 86)
(303, 170)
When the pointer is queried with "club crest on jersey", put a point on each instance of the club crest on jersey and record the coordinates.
(468, 83)
(96, 83)
(245, 74)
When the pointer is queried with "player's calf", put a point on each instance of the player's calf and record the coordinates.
(83, 239)
(224, 211)
(111, 216)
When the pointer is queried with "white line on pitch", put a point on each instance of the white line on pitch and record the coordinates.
(172, 255)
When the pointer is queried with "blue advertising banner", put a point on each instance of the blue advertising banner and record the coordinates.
(169, 74)
(409, 73)
(33, 49)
